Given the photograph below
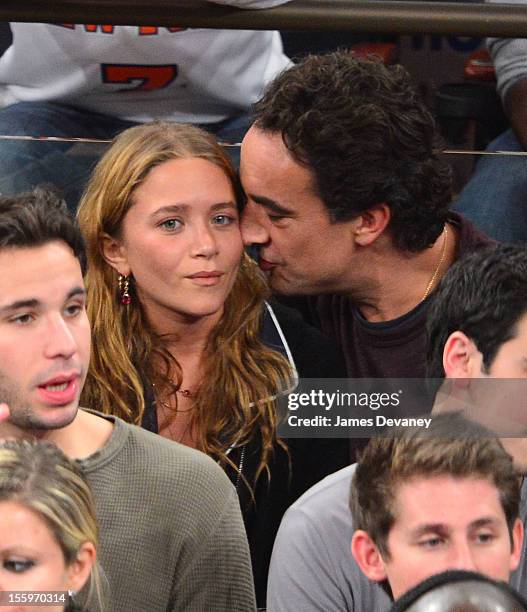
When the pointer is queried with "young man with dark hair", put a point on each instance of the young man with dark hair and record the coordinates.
(477, 321)
(348, 202)
(172, 536)
(477, 339)
(423, 502)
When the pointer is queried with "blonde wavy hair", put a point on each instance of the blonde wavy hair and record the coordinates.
(39, 477)
(241, 376)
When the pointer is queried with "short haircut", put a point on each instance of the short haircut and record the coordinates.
(34, 218)
(482, 295)
(365, 133)
(452, 445)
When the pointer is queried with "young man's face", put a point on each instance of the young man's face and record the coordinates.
(300, 249)
(44, 335)
(445, 523)
(463, 359)
(494, 396)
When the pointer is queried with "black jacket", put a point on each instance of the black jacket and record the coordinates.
(307, 460)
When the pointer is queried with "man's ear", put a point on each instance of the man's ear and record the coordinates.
(80, 569)
(461, 357)
(371, 224)
(517, 543)
(114, 253)
(367, 556)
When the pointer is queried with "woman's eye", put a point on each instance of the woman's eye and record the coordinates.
(171, 224)
(223, 220)
(17, 566)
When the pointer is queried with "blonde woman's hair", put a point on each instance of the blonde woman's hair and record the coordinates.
(241, 376)
(38, 476)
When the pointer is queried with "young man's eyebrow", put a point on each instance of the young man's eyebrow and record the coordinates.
(483, 522)
(75, 292)
(421, 530)
(19, 304)
(271, 205)
(34, 303)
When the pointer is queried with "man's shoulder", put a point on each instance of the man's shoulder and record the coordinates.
(147, 448)
(169, 517)
(312, 567)
(470, 237)
(325, 505)
(132, 450)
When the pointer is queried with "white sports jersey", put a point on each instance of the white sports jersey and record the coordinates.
(142, 73)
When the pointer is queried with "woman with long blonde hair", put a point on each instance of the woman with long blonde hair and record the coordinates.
(184, 342)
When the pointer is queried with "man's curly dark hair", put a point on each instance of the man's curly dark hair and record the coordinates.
(365, 133)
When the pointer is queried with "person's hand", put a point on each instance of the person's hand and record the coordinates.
(4, 412)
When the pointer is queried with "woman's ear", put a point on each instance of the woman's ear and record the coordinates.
(80, 568)
(114, 253)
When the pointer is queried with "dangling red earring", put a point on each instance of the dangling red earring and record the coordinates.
(124, 286)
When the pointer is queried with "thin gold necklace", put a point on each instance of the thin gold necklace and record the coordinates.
(440, 263)
(184, 392)
(171, 414)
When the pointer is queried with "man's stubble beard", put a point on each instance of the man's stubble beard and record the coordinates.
(21, 412)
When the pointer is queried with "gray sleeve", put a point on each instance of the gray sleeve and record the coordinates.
(217, 573)
(302, 577)
(509, 56)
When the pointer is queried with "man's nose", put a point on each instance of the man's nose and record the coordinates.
(253, 229)
(463, 557)
(60, 339)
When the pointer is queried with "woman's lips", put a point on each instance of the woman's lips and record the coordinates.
(206, 279)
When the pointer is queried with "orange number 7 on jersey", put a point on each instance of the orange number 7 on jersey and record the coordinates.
(149, 77)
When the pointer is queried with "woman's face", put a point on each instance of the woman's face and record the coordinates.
(32, 560)
(181, 241)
